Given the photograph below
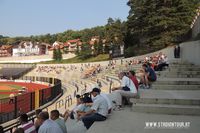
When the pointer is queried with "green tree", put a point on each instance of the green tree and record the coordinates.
(95, 48)
(59, 55)
(85, 52)
(55, 54)
(100, 46)
(159, 23)
(113, 31)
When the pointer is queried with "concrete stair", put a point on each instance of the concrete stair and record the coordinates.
(126, 121)
(167, 101)
(167, 109)
(175, 87)
(184, 68)
(178, 75)
(180, 72)
(178, 81)
(176, 92)
(174, 102)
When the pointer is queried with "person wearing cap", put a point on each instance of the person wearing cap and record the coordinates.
(87, 102)
(98, 111)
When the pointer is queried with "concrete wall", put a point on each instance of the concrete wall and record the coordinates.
(196, 27)
(190, 52)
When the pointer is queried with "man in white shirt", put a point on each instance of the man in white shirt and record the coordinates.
(47, 125)
(98, 111)
(127, 89)
(108, 101)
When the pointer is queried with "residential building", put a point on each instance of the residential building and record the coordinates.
(6, 50)
(73, 45)
(28, 48)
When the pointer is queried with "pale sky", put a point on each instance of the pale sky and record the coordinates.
(36, 17)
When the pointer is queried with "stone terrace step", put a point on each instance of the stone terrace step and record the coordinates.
(113, 77)
(180, 72)
(125, 121)
(167, 109)
(177, 102)
(166, 101)
(179, 75)
(175, 87)
(181, 65)
(179, 62)
(183, 69)
(178, 81)
(170, 94)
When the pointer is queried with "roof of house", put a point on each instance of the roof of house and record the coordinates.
(69, 42)
(73, 41)
(5, 47)
(23, 44)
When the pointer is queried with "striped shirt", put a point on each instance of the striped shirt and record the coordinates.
(28, 127)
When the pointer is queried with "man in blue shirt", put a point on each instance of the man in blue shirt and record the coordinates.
(150, 74)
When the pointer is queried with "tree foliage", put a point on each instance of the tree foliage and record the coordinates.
(159, 22)
(57, 54)
(114, 31)
(151, 25)
(85, 52)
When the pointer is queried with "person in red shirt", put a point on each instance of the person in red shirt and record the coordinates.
(131, 75)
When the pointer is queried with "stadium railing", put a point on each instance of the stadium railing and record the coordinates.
(25, 103)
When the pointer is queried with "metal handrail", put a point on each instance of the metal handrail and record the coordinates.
(8, 126)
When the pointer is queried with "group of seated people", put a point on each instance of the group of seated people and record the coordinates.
(91, 71)
(44, 123)
(146, 75)
(50, 69)
(88, 110)
(56, 69)
(91, 108)
(157, 61)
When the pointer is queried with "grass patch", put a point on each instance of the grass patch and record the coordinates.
(17, 87)
(2, 96)
(102, 57)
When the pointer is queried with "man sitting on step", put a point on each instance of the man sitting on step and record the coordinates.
(147, 76)
(127, 89)
(98, 111)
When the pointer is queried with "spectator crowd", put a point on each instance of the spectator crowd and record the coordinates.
(95, 105)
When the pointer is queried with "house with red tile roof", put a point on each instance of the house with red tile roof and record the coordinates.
(73, 45)
(6, 50)
(57, 45)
